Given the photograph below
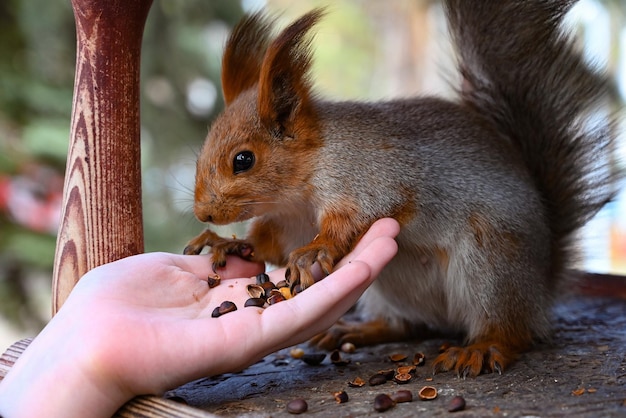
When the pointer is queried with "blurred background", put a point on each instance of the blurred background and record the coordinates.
(364, 49)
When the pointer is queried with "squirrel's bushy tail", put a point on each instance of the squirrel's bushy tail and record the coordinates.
(523, 73)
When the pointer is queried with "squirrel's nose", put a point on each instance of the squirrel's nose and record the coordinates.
(202, 215)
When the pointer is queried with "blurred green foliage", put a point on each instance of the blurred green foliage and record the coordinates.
(182, 44)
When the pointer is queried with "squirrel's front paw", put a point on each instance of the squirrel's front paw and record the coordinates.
(220, 247)
(302, 259)
(486, 357)
(225, 247)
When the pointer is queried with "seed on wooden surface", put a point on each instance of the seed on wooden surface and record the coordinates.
(337, 360)
(262, 278)
(313, 359)
(213, 281)
(419, 359)
(255, 291)
(348, 347)
(427, 393)
(389, 373)
(402, 378)
(297, 406)
(296, 353)
(357, 382)
(256, 302)
(456, 404)
(383, 402)
(397, 357)
(377, 379)
(226, 307)
(402, 396)
(405, 370)
(341, 396)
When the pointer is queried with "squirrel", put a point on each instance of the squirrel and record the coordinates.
(489, 188)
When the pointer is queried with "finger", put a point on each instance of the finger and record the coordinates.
(238, 267)
(383, 227)
(201, 266)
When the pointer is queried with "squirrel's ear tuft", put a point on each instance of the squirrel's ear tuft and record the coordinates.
(243, 54)
(284, 88)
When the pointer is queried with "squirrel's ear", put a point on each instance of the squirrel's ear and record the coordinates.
(284, 88)
(243, 55)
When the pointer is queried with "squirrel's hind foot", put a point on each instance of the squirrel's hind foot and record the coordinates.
(475, 359)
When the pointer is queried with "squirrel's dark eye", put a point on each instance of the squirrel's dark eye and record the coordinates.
(243, 161)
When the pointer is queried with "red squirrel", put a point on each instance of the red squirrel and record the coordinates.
(489, 188)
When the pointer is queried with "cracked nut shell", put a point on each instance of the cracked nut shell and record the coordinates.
(341, 396)
(397, 357)
(419, 359)
(356, 383)
(213, 281)
(337, 360)
(402, 378)
(255, 291)
(427, 393)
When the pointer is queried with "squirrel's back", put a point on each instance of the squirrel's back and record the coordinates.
(540, 100)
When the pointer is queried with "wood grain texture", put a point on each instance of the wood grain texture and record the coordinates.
(10, 356)
(155, 407)
(101, 219)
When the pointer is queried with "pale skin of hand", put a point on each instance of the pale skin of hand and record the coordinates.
(143, 325)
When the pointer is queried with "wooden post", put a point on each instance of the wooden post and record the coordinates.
(101, 219)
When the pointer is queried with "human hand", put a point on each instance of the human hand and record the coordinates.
(143, 325)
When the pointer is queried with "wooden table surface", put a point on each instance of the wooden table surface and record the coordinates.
(581, 373)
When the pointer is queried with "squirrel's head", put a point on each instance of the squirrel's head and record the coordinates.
(261, 150)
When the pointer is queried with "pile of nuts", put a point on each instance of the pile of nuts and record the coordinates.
(263, 293)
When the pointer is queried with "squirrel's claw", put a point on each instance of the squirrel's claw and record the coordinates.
(192, 249)
(474, 359)
(225, 247)
(301, 261)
